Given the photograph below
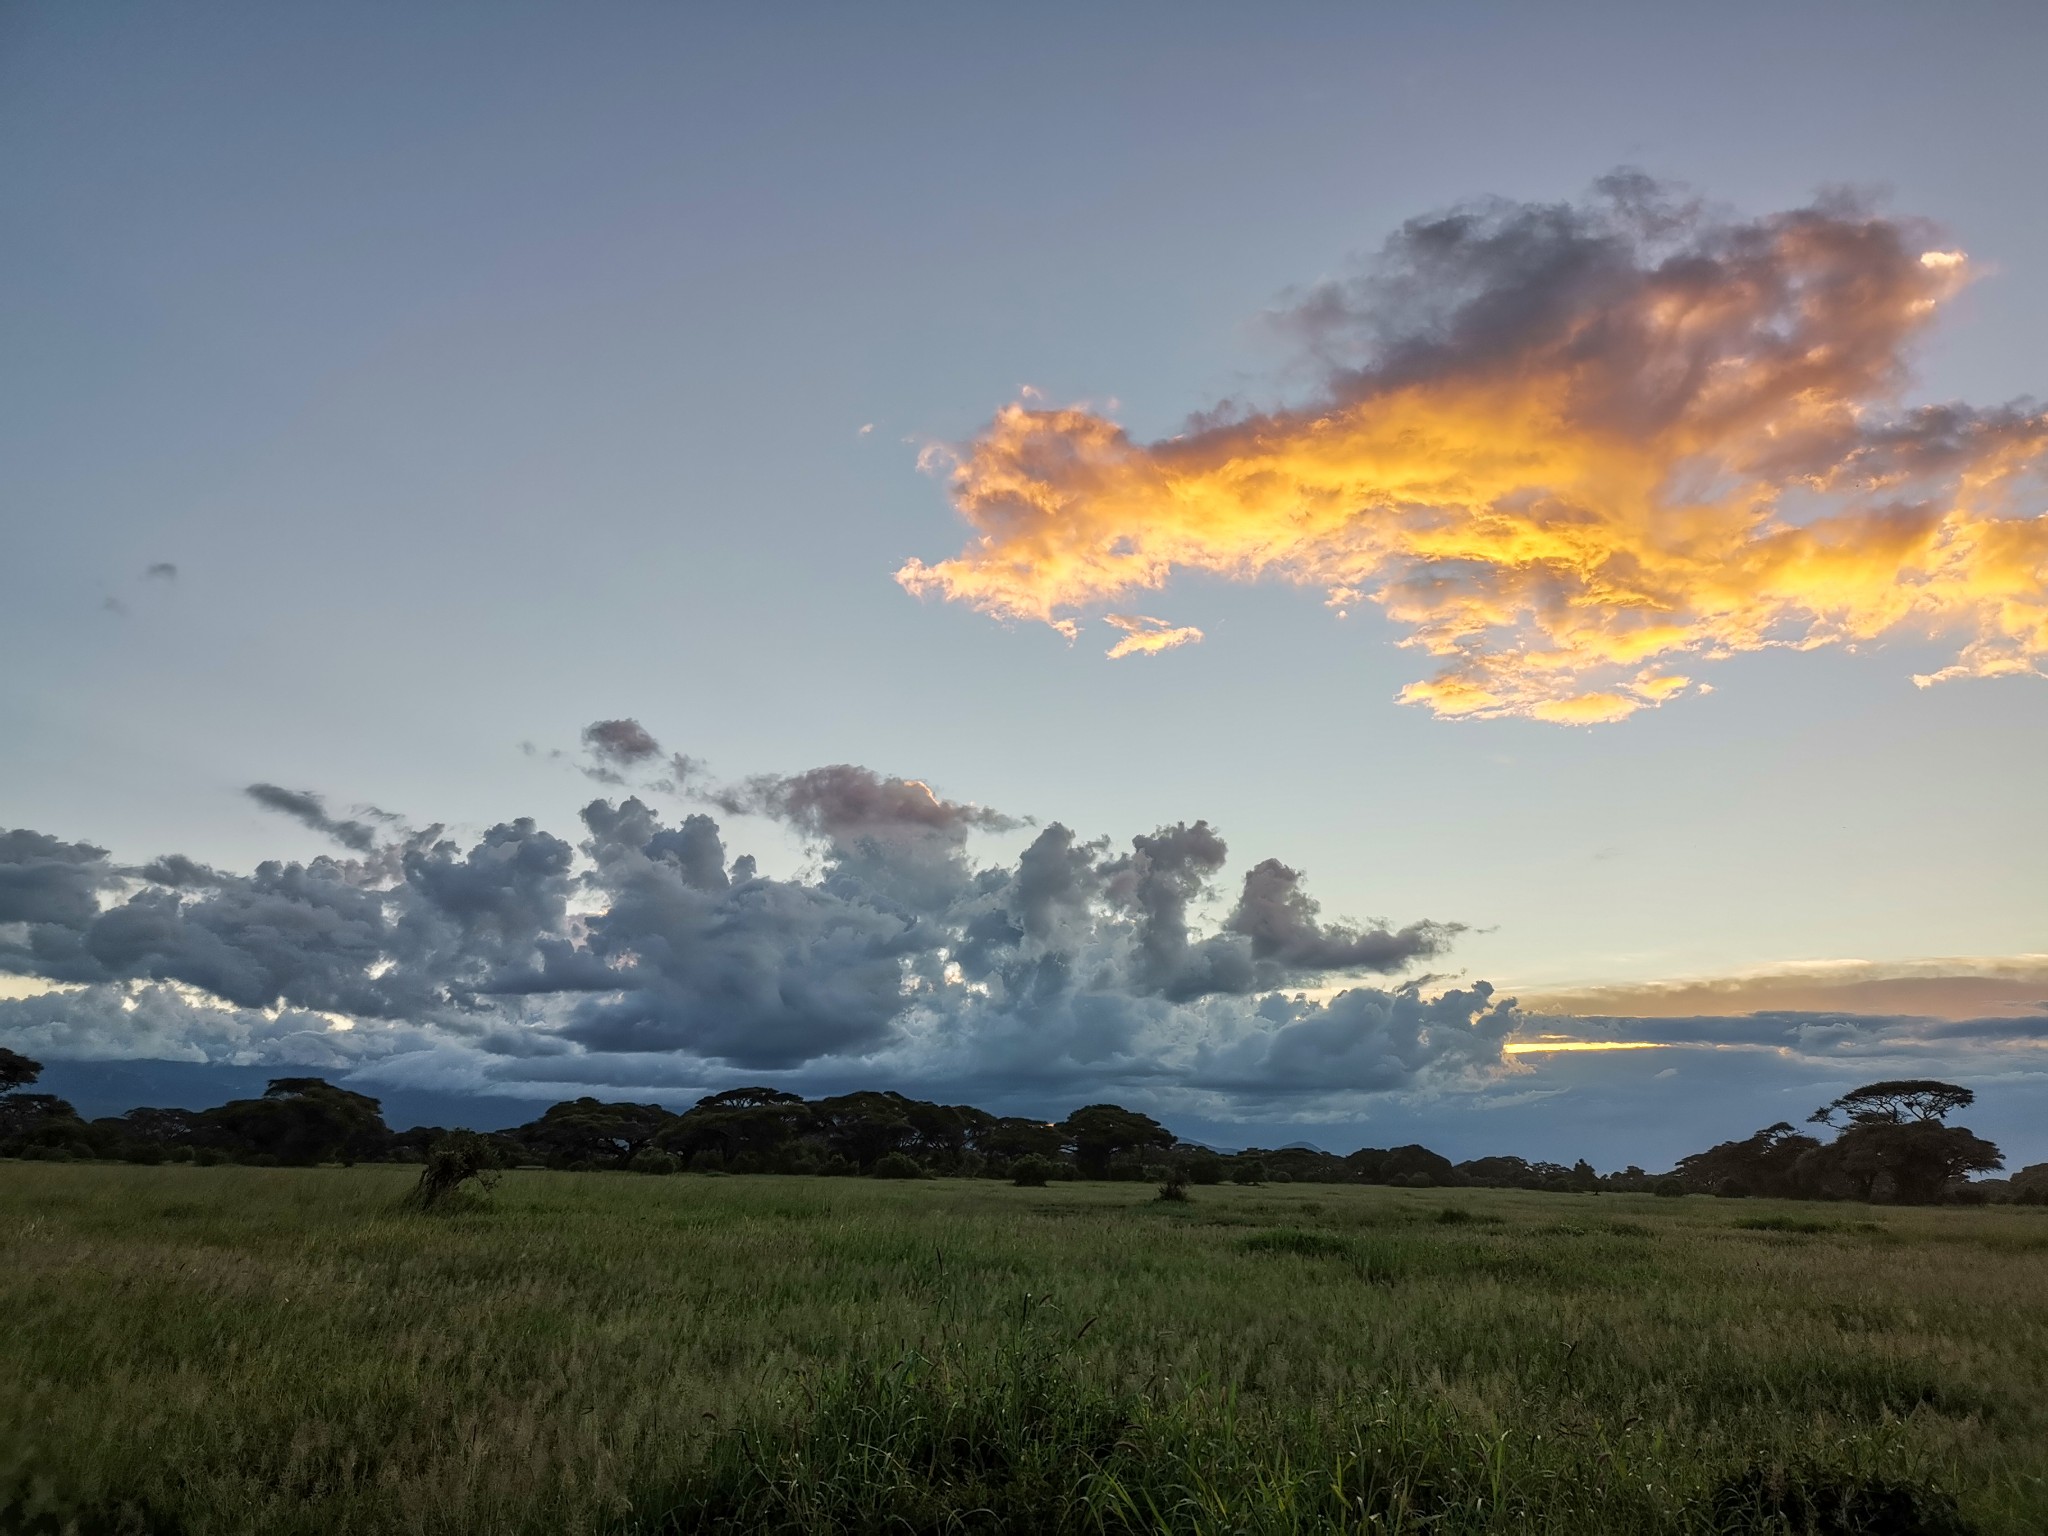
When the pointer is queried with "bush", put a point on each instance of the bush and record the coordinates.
(1174, 1186)
(1669, 1189)
(457, 1159)
(710, 1160)
(146, 1153)
(1030, 1172)
(649, 1160)
(1204, 1168)
(1252, 1172)
(208, 1157)
(899, 1165)
(1281, 1176)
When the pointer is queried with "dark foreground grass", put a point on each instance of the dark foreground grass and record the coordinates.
(246, 1350)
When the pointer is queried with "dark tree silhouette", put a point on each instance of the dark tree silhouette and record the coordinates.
(17, 1071)
(1899, 1102)
(587, 1131)
(299, 1121)
(1766, 1164)
(1098, 1134)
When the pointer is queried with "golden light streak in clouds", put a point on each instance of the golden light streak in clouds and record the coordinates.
(1572, 453)
(1147, 637)
(1548, 1047)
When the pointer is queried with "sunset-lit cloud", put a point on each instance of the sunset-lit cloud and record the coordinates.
(1956, 988)
(1147, 637)
(1573, 453)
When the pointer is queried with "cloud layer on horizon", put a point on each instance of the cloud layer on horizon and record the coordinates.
(648, 960)
(648, 951)
(1572, 451)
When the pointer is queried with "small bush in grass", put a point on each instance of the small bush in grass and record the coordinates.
(1670, 1189)
(208, 1157)
(710, 1160)
(1174, 1185)
(460, 1168)
(1250, 1172)
(652, 1160)
(1297, 1243)
(898, 1165)
(1030, 1172)
(1825, 1501)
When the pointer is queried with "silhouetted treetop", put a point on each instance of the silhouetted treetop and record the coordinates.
(1897, 1102)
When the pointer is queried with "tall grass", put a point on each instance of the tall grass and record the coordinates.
(251, 1350)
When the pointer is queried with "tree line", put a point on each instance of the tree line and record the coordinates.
(1892, 1142)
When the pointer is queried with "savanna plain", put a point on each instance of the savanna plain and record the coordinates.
(251, 1350)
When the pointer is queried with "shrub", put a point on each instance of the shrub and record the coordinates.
(1281, 1176)
(1669, 1189)
(459, 1158)
(898, 1165)
(649, 1160)
(1252, 1172)
(710, 1160)
(1174, 1186)
(1030, 1172)
(1204, 1168)
(147, 1153)
(208, 1157)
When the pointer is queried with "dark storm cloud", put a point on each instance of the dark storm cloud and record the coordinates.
(1280, 919)
(46, 881)
(1071, 962)
(308, 809)
(617, 746)
(841, 802)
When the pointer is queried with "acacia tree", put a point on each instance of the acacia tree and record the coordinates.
(1896, 1144)
(301, 1121)
(1101, 1133)
(587, 1131)
(1899, 1101)
(17, 1071)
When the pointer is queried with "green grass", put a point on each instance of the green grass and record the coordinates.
(280, 1351)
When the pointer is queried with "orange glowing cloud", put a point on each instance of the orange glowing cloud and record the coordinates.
(1573, 453)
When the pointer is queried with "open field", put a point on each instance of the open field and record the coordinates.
(273, 1350)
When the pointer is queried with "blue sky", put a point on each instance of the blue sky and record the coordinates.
(490, 371)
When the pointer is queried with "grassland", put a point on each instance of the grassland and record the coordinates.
(277, 1351)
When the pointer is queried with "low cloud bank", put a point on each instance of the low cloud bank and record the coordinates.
(648, 958)
(648, 951)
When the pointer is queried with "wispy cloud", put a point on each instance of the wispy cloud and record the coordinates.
(1574, 452)
(1147, 637)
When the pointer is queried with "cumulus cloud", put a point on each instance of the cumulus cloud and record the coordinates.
(1573, 452)
(646, 949)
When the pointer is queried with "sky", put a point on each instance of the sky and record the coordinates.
(1525, 458)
